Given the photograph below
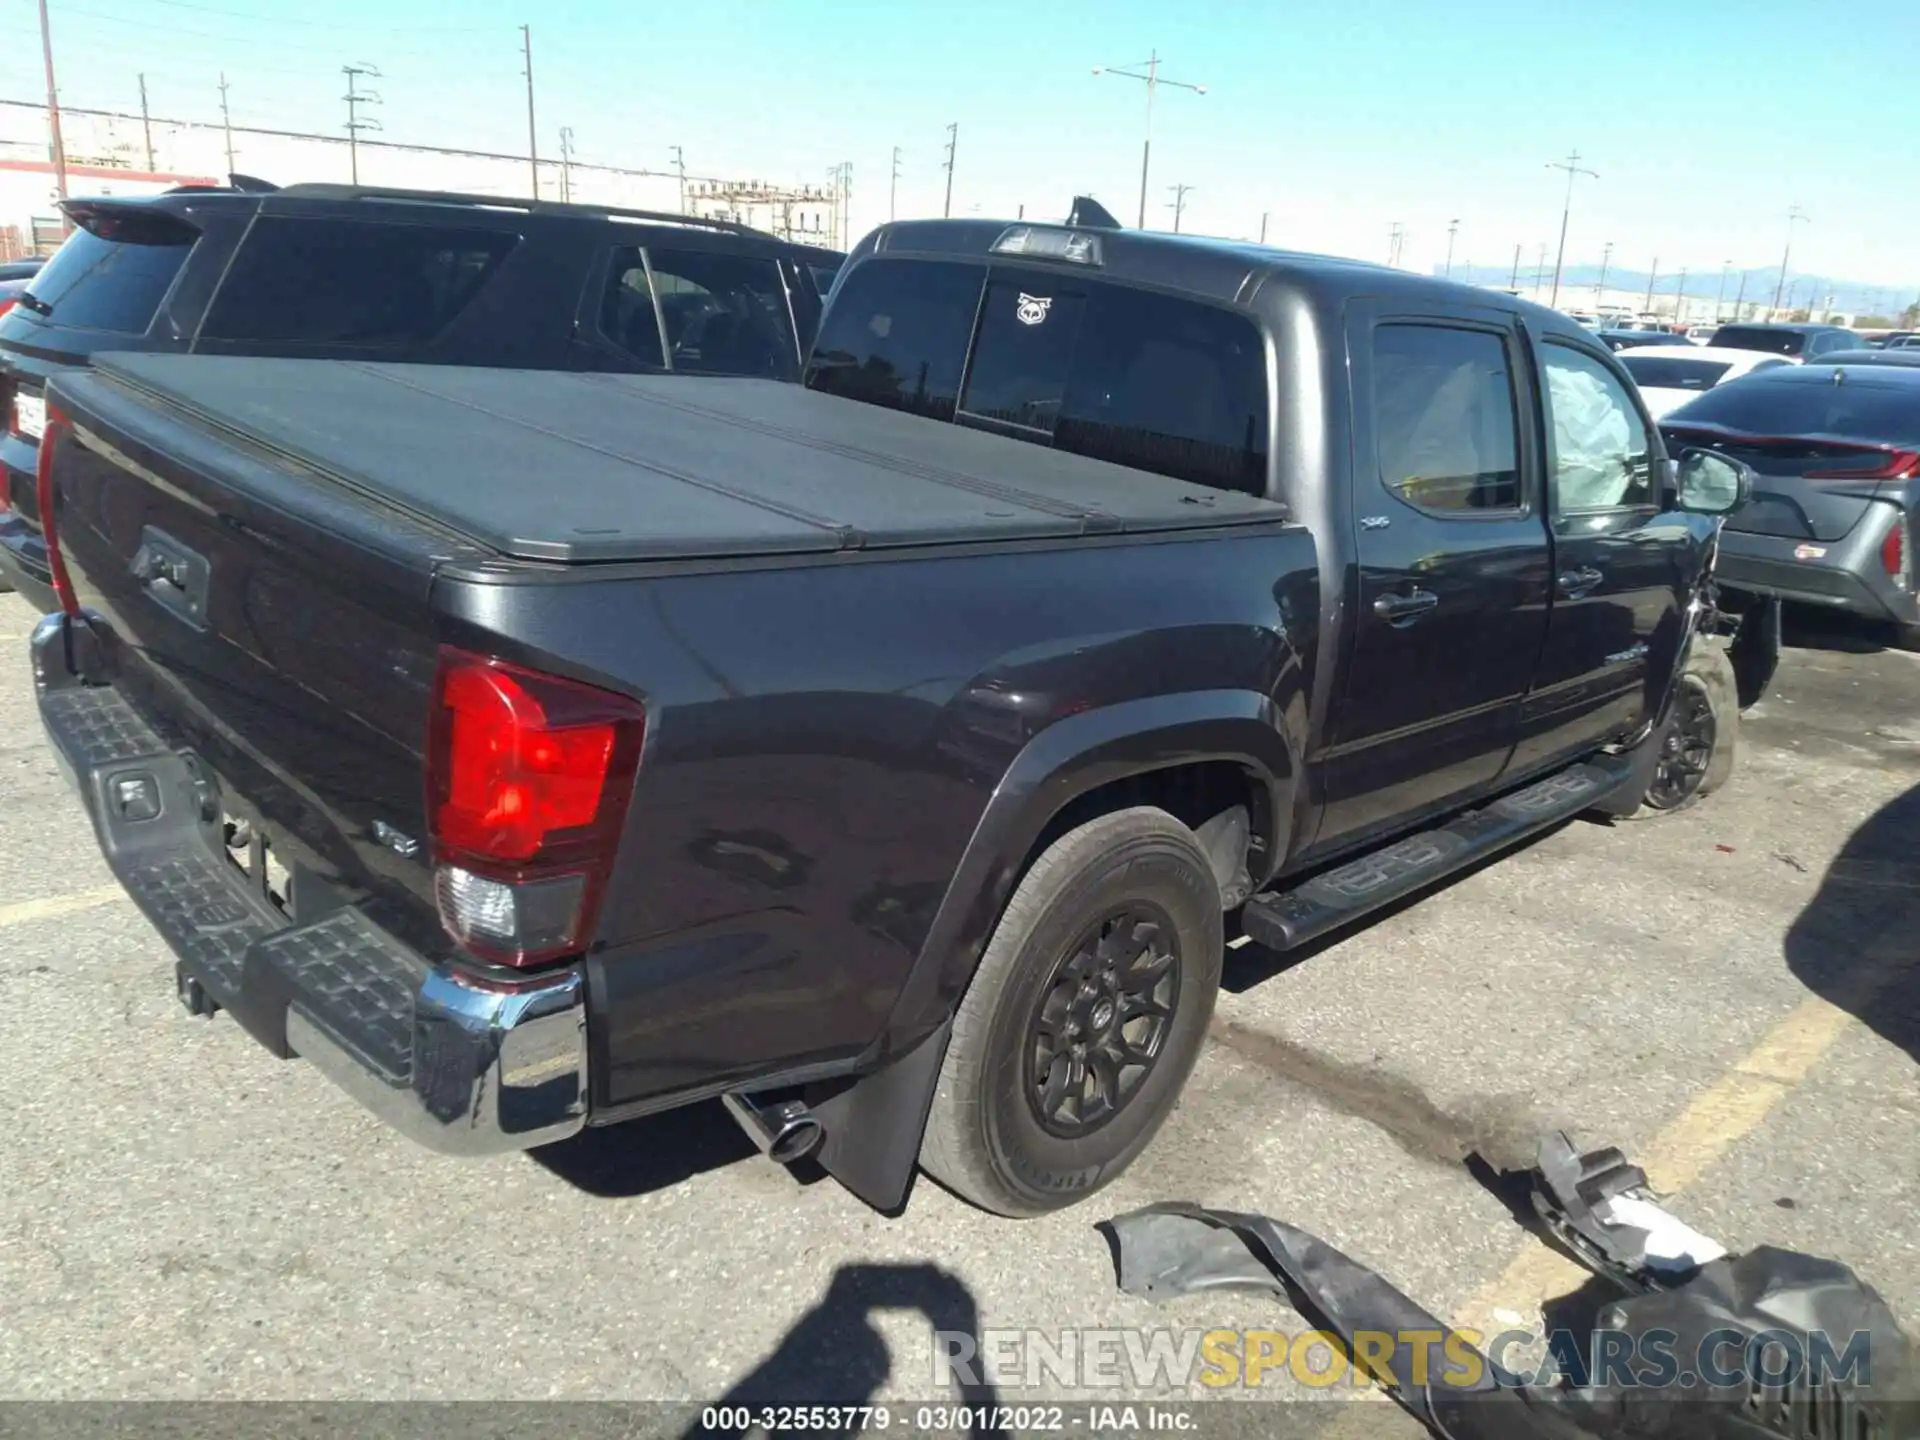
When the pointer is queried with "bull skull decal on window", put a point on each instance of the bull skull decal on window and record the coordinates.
(1033, 308)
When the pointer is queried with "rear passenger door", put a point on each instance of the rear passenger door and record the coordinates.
(1619, 558)
(699, 312)
(1452, 578)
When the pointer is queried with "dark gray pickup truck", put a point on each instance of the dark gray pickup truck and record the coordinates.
(885, 754)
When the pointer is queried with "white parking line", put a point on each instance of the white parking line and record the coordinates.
(54, 906)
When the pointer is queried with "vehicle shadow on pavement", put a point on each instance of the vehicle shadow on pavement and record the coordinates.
(654, 1152)
(1857, 942)
(1805, 628)
(835, 1356)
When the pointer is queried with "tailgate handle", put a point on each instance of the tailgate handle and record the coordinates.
(173, 574)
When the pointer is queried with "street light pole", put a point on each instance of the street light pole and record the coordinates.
(1794, 217)
(1153, 80)
(1600, 290)
(1572, 166)
(1453, 228)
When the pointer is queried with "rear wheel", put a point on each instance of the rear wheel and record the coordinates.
(1697, 743)
(1089, 1008)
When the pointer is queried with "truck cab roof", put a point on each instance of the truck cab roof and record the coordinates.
(1232, 271)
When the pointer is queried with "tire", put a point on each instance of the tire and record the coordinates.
(1707, 680)
(986, 1138)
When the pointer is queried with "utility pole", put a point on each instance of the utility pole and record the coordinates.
(146, 121)
(1540, 271)
(1721, 298)
(1794, 217)
(533, 145)
(53, 114)
(893, 187)
(566, 164)
(1453, 228)
(1396, 241)
(356, 97)
(226, 122)
(1154, 81)
(1680, 298)
(1647, 304)
(1600, 290)
(953, 144)
(1513, 280)
(1572, 166)
(1741, 297)
(680, 168)
(1178, 204)
(1263, 226)
(846, 203)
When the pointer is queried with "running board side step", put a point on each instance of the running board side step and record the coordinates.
(1286, 919)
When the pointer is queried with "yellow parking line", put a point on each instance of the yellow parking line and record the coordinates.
(54, 906)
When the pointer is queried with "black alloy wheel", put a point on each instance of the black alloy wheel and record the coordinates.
(1687, 749)
(1103, 1020)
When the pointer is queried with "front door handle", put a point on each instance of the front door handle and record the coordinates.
(1402, 609)
(1575, 583)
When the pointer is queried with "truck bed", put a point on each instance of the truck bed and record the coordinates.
(550, 466)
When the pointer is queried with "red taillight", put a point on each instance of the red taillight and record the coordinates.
(8, 303)
(57, 426)
(1894, 553)
(528, 787)
(1875, 465)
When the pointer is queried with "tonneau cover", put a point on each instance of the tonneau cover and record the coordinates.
(547, 465)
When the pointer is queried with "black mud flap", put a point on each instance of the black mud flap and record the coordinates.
(1755, 652)
(873, 1124)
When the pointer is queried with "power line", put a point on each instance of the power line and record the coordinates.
(324, 24)
(257, 41)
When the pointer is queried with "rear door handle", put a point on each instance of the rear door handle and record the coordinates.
(1575, 583)
(1400, 609)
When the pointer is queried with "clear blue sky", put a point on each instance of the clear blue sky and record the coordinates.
(1705, 118)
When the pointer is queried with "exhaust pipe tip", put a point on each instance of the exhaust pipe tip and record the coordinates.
(785, 1131)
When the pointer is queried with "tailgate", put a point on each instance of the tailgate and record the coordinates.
(260, 618)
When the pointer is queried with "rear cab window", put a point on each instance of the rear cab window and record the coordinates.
(1758, 337)
(113, 271)
(1154, 382)
(351, 282)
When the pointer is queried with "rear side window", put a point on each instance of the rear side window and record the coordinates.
(115, 279)
(1660, 373)
(351, 282)
(1443, 419)
(896, 335)
(1149, 381)
(1758, 337)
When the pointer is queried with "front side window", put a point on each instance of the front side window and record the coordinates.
(351, 282)
(1444, 422)
(724, 314)
(1600, 456)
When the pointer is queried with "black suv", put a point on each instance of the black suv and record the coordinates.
(334, 271)
(1802, 341)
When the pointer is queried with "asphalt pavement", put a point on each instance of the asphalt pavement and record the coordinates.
(1729, 992)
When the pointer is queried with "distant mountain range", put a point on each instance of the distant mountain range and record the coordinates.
(1850, 296)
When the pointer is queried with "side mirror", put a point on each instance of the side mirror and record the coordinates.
(1709, 483)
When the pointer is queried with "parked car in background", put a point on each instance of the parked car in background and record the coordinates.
(1670, 375)
(21, 269)
(378, 274)
(1700, 334)
(1893, 337)
(1633, 339)
(1796, 341)
(883, 753)
(1836, 455)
